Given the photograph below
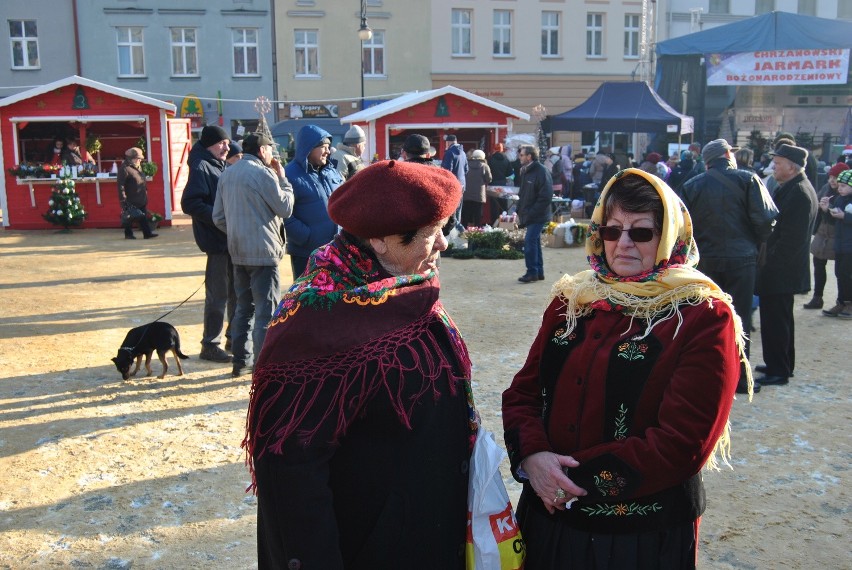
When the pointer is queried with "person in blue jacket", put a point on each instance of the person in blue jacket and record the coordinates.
(313, 178)
(455, 160)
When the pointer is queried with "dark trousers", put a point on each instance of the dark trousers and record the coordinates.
(777, 333)
(258, 292)
(735, 276)
(820, 275)
(843, 272)
(471, 214)
(532, 250)
(219, 297)
(142, 220)
(298, 265)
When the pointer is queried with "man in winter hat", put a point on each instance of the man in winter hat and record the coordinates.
(347, 157)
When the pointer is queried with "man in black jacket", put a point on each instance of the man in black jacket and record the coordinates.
(787, 268)
(206, 164)
(732, 214)
(535, 193)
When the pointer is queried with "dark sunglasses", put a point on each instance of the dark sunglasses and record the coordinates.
(638, 235)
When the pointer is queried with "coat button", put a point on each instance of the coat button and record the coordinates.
(571, 428)
(294, 564)
(463, 467)
(597, 335)
(579, 381)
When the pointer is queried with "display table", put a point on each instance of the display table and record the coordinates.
(31, 183)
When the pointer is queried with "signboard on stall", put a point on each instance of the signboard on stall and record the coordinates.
(313, 111)
(191, 108)
(779, 67)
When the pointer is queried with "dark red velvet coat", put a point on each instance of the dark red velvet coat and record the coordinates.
(641, 416)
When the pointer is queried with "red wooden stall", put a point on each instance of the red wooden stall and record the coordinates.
(476, 121)
(76, 107)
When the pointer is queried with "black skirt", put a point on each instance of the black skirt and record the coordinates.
(552, 545)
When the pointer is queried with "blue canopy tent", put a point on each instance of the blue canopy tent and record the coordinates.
(623, 107)
(771, 31)
(681, 59)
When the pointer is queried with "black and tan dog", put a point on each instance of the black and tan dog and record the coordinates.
(143, 341)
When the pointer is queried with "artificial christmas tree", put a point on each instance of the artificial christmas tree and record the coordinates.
(64, 207)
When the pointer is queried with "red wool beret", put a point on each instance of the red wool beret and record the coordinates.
(392, 198)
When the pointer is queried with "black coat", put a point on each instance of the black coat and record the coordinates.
(501, 168)
(728, 222)
(787, 267)
(199, 197)
(535, 193)
(387, 496)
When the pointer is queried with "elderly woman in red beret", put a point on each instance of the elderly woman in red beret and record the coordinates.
(361, 420)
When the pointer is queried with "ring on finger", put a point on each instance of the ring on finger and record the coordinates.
(560, 493)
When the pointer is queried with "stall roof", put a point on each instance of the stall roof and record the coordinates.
(622, 107)
(77, 80)
(416, 97)
(772, 31)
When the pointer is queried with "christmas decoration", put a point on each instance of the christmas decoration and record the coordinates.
(263, 106)
(539, 114)
(148, 168)
(64, 207)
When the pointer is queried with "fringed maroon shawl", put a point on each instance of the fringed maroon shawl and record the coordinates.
(348, 322)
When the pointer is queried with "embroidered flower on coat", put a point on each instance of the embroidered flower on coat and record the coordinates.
(632, 350)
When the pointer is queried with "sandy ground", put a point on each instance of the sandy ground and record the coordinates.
(96, 472)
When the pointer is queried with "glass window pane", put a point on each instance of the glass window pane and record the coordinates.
(30, 29)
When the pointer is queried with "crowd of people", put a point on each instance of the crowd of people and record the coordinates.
(361, 418)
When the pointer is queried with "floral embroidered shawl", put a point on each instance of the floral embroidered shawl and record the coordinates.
(348, 322)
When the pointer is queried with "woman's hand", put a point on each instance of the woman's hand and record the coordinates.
(837, 213)
(554, 488)
(823, 203)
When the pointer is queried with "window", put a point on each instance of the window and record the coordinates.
(184, 52)
(373, 55)
(24, 38)
(720, 6)
(763, 6)
(631, 35)
(131, 57)
(461, 30)
(245, 51)
(550, 34)
(502, 32)
(807, 7)
(844, 10)
(307, 53)
(594, 35)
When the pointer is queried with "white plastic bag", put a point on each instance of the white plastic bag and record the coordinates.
(494, 541)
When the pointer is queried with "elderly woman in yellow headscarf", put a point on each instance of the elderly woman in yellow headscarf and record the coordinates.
(625, 394)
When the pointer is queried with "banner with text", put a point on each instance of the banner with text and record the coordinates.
(778, 67)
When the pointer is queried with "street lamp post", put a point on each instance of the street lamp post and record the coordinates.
(364, 34)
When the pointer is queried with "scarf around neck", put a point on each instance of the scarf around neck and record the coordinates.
(348, 323)
(656, 295)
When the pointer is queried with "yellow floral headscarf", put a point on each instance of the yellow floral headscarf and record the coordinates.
(655, 295)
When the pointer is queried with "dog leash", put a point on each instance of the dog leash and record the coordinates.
(144, 332)
(181, 303)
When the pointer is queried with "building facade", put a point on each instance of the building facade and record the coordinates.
(319, 54)
(36, 49)
(552, 53)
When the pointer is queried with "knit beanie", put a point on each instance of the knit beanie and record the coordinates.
(354, 135)
(211, 134)
(837, 169)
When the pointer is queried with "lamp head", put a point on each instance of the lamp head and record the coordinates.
(364, 32)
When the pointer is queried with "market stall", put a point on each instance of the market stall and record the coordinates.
(107, 121)
(476, 121)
